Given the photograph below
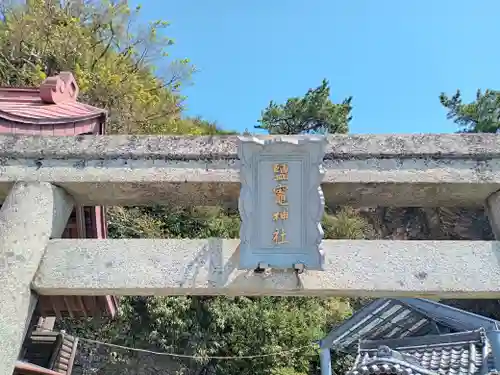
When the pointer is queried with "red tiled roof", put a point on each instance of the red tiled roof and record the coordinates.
(53, 103)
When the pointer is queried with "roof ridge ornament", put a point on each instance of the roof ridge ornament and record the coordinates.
(385, 351)
(59, 89)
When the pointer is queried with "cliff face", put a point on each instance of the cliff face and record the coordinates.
(428, 223)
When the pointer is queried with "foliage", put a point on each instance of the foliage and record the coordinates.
(480, 116)
(171, 222)
(312, 113)
(221, 326)
(242, 326)
(286, 371)
(346, 224)
(112, 55)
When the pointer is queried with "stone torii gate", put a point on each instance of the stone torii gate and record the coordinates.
(41, 178)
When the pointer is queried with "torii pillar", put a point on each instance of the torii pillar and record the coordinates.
(32, 214)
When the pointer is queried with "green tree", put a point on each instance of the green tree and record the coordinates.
(313, 113)
(220, 326)
(479, 116)
(113, 56)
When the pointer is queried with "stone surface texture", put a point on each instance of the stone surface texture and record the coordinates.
(305, 207)
(365, 170)
(29, 217)
(225, 147)
(209, 267)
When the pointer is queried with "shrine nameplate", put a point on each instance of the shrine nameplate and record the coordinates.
(281, 202)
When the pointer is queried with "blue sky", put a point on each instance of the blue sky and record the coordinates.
(393, 56)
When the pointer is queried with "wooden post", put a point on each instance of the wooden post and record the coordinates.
(31, 215)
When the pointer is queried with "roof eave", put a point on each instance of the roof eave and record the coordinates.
(337, 333)
(41, 121)
(427, 340)
(451, 316)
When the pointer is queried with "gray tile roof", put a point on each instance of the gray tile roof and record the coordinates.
(388, 318)
(464, 353)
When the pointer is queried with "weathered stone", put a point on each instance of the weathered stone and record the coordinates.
(462, 269)
(29, 217)
(439, 146)
(378, 170)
